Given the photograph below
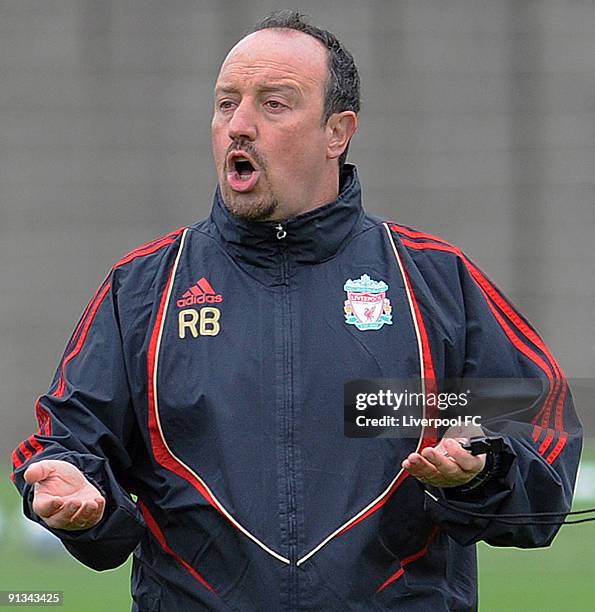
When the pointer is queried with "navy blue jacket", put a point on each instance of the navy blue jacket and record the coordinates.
(202, 393)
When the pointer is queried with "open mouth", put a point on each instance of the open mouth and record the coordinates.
(242, 173)
(244, 168)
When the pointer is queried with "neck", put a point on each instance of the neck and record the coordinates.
(326, 190)
(312, 236)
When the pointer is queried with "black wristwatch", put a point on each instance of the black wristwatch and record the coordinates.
(492, 446)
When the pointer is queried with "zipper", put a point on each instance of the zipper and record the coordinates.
(289, 450)
(281, 233)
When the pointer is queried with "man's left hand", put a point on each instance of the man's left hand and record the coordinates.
(445, 465)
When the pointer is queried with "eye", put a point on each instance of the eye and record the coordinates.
(275, 105)
(225, 105)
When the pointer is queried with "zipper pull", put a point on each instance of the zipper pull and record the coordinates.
(281, 233)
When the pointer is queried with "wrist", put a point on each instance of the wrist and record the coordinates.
(491, 469)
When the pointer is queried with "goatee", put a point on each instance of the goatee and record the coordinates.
(249, 207)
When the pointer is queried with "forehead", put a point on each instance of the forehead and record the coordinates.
(276, 54)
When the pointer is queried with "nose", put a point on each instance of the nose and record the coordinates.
(243, 122)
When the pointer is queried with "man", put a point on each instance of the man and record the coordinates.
(206, 378)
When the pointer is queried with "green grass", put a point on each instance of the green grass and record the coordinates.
(84, 589)
(22, 569)
(561, 577)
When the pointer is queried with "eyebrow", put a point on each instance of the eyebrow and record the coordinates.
(268, 88)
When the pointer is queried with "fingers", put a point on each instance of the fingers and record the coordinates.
(447, 465)
(444, 464)
(64, 517)
(418, 466)
(83, 516)
(89, 514)
(60, 519)
(101, 503)
(76, 515)
(421, 466)
(463, 458)
(46, 505)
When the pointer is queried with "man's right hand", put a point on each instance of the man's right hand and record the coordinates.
(62, 497)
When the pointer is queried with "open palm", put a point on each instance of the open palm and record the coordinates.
(63, 497)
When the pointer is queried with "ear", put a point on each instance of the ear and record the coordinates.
(340, 127)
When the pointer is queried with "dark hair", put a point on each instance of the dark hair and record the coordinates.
(343, 85)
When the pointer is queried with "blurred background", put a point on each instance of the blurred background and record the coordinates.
(478, 123)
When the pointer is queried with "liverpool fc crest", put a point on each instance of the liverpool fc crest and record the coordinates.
(367, 306)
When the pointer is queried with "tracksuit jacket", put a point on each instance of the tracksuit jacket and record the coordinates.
(202, 393)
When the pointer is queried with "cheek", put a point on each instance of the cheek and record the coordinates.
(219, 144)
(306, 154)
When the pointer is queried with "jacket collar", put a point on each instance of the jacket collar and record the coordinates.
(309, 238)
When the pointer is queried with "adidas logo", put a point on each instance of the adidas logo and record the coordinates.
(200, 293)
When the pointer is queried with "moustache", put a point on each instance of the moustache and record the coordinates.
(249, 148)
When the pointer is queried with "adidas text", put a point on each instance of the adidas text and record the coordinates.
(199, 299)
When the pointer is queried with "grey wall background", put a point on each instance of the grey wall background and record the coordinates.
(478, 123)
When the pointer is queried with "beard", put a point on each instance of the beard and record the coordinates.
(259, 204)
(250, 206)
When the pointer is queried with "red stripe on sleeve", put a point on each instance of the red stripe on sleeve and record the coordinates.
(150, 247)
(558, 448)
(37, 447)
(549, 438)
(79, 345)
(86, 312)
(551, 369)
(532, 355)
(148, 250)
(31, 442)
(27, 454)
(43, 419)
(489, 288)
(560, 385)
(533, 337)
(492, 291)
(16, 460)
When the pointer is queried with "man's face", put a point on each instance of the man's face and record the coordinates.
(269, 144)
